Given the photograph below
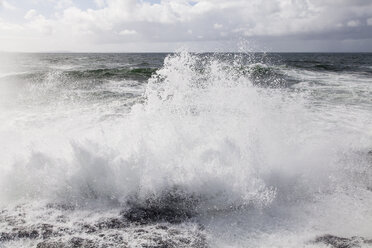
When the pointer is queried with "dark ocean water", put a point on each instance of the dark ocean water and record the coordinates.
(186, 150)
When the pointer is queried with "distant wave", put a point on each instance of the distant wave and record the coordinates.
(114, 73)
(96, 74)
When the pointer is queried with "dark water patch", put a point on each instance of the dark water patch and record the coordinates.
(75, 242)
(106, 94)
(19, 233)
(268, 76)
(79, 79)
(115, 73)
(173, 206)
(157, 239)
(330, 62)
(109, 230)
(111, 223)
(34, 231)
(340, 242)
(330, 67)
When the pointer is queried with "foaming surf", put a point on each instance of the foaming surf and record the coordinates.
(215, 153)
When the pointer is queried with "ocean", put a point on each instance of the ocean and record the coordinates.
(186, 150)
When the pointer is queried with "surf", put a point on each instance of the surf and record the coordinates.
(205, 143)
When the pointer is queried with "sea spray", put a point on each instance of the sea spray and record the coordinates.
(206, 143)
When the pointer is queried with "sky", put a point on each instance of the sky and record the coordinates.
(197, 25)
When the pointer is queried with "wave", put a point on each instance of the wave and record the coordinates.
(316, 66)
(203, 142)
(94, 76)
(207, 127)
(268, 76)
(114, 73)
(332, 66)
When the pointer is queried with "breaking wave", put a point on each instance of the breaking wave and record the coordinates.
(204, 139)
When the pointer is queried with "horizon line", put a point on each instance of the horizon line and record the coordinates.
(168, 52)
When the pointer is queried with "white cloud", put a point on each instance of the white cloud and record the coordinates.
(353, 23)
(217, 26)
(369, 21)
(100, 3)
(10, 27)
(38, 23)
(223, 34)
(109, 21)
(61, 4)
(6, 5)
(41, 25)
(128, 32)
(253, 18)
(30, 14)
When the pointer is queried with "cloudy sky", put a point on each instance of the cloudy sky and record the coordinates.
(200, 25)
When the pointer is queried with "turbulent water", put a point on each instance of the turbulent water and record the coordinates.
(185, 150)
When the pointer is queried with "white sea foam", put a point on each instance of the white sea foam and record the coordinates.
(262, 162)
